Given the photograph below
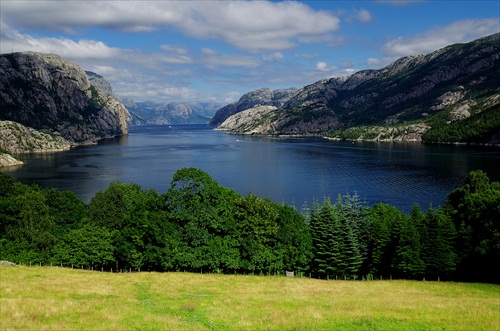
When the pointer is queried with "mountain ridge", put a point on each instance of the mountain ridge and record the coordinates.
(451, 84)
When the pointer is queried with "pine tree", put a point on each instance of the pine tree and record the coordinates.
(440, 258)
(407, 261)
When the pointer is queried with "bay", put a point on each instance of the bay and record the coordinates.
(287, 170)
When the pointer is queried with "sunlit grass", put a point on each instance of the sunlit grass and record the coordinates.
(62, 299)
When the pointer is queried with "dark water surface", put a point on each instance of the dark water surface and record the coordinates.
(289, 170)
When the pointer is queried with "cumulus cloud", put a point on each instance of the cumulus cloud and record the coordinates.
(458, 32)
(274, 57)
(361, 15)
(213, 59)
(248, 25)
(13, 40)
(323, 66)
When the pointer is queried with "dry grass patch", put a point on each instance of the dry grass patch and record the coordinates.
(58, 299)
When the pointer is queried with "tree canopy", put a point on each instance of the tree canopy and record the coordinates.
(199, 225)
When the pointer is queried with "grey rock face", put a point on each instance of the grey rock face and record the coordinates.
(50, 94)
(101, 83)
(18, 139)
(249, 121)
(454, 79)
(262, 97)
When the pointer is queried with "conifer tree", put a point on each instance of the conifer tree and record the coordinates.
(407, 260)
(440, 258)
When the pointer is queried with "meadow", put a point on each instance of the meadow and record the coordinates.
(53, 298)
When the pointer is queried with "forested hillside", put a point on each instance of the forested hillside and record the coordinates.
(198, 225)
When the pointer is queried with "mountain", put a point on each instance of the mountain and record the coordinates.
(261, 97)
(415, 97)
(47, 93)
(155, 113)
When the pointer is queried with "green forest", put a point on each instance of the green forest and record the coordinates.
(201, 226)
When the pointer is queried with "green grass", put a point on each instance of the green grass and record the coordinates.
(44, 298)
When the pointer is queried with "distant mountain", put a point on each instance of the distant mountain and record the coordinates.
(154, 113)
(260, 97)
(417, 97)
(52, 95)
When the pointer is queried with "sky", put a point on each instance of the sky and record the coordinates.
(186, 51)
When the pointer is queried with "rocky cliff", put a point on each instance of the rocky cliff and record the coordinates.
(261, 97)
(50, 94)
(250, 121)
(450, 85)
(18, 139)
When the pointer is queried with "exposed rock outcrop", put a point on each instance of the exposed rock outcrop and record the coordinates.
(50, 94)
(18, 139)
(7, 160)
(250, 121)
(261, 97)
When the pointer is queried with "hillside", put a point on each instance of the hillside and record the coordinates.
(260, 97)
(155, 113)
(443, 91)
(52, 95)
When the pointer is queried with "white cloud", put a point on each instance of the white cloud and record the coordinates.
(213, 59)
(374, 62)
(307, 56)
(361, 15)
(15, 41)
(274, 57)
(457, 32)
(346, 64)
(248, 25)
(175, 49)
(323, 66)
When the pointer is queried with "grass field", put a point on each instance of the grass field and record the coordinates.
(44, 298)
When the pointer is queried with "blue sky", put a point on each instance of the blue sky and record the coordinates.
(181, 51)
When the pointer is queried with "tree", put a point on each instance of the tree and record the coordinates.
(475, 211)
(438, 252)
(384, 234)
(108, 208)
(258, 227)
(407, 261)
(29, 224)
(89, 246)
(66, 208)
(354, 233)
(6, 184)
(326, 245)
(294, 237)
(203, 211)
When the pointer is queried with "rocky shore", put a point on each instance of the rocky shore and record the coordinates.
(16, 138)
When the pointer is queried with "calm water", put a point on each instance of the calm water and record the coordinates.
(287, 170)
